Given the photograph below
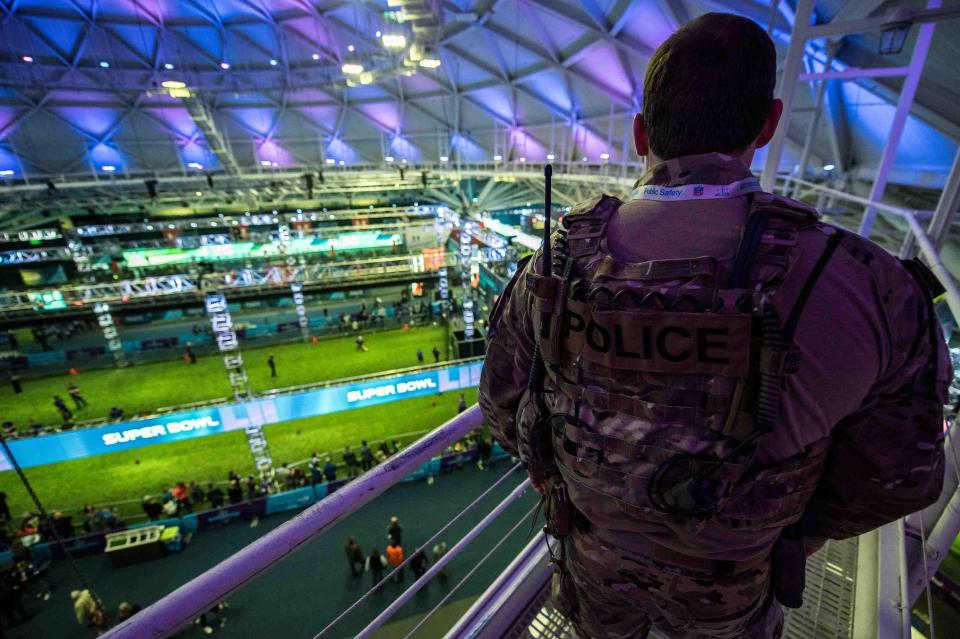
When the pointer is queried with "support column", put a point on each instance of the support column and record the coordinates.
(904, 105)
(466, 258)
(817, 110)
(947, 206)
(788, 87)
(110, 334)
(227, 343)
(296, 289)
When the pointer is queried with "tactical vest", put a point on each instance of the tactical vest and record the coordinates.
(663, 376)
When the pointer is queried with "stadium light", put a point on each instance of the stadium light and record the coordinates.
(264, 162)
(331, 161)
(430, 63)
(379, 34)
(523, 159)
(551, 157)
(444, 158)
(389, 158)
(315, 56)
(27, 58)
(497, 158)
(108, 168)
(342, 162)
(173, 84)
(273, 62)
(351, 68)
(829, 167)
(168, 66)
(604, 156)
(224, 65)
(351, 48)
(195, 165)
(104, 64)
(6, 172)
(394, 40)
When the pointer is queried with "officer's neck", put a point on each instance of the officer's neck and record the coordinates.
(745, 156)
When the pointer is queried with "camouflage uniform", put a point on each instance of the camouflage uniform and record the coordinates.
(858, 429)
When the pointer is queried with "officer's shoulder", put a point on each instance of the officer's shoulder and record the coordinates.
(601, 205)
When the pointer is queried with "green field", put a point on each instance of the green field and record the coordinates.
(135, 473)
(146, 387)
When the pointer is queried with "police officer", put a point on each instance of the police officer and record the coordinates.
(727, 381)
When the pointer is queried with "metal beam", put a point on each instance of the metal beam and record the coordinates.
(788, 86)
(947, 207)
(925, 17)
(856, 74)
(815, 120)
(917, 61)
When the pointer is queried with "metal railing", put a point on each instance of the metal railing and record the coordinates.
(189, 601)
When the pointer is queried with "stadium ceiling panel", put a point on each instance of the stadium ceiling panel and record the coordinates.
(289, 83)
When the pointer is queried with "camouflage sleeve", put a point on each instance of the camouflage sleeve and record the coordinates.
(887, 458)
(506, 368)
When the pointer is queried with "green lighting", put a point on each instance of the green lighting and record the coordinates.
(359, 241)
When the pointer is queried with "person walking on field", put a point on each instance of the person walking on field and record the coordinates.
(361, 346)
(436, 355)
(189, 354)
(395, 531)
(273, 366)
(78, 400)
(395, 557)
(366, 457)
(350, 461)
(420, 356)
(316, 472)
(354, 557)
(375, 564)
(62, 407)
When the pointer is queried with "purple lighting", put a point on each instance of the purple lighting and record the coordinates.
(97, 121)
(404, 149)
(272, 153)
(527, 146)
(385, 114)
(340, 150)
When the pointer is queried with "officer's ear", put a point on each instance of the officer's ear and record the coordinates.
(640, 137)
(770, 123)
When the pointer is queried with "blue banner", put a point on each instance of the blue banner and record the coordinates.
(89, 442)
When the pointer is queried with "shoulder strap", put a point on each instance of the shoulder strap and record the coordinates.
(586, 225)
(749, 245)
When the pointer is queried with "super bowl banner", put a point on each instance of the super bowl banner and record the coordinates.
(89, 442)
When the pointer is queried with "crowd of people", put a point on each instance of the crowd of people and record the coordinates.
(390, 556)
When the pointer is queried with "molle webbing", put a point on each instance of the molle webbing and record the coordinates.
(585, 230)
(658, 270)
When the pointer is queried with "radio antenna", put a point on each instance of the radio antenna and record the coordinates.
(537, 369)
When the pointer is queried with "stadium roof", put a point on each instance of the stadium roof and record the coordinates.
(276, 83)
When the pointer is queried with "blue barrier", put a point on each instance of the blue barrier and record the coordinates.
(290, 500)
(90, 442)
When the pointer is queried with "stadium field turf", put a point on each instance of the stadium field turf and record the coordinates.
(130, 475)
(146, 387)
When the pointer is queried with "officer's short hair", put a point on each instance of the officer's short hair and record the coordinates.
(709, 87)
